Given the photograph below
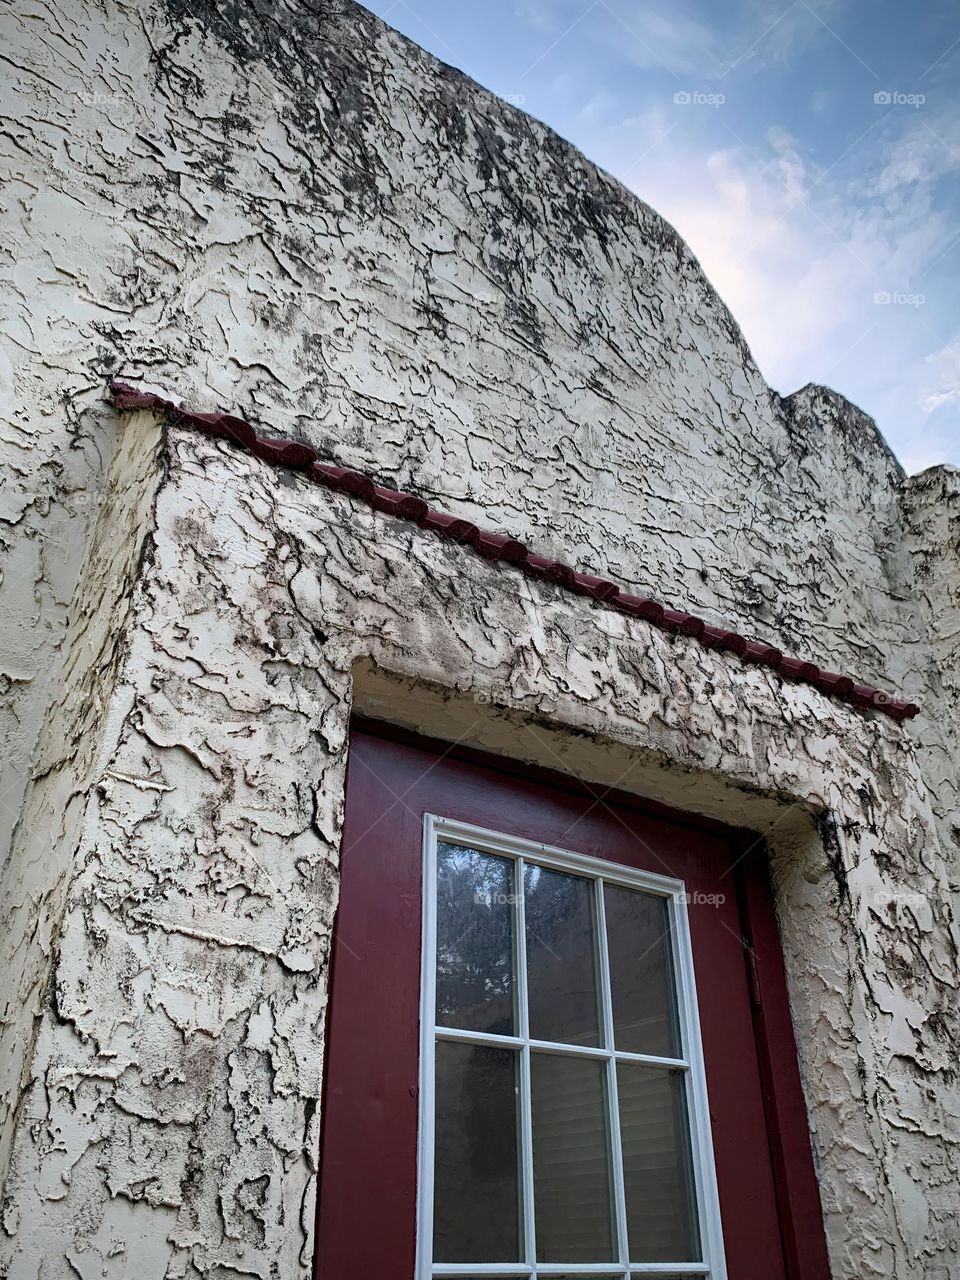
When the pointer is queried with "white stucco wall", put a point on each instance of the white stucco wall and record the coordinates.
(295, 214)
(931, 506)
(81, 689)
(171, 1125)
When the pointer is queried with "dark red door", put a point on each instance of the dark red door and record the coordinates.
(367, 1208)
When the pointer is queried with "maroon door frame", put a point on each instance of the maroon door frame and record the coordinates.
(366, 1211)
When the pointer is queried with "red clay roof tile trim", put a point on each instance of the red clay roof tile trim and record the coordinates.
(496, 546)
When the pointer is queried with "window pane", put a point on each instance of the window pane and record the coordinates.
(641, 973)
(476, 1182)
(657, 1166)
(475, 984)
(561, 957)
(570, 1164)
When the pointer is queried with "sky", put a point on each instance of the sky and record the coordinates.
(809, 154)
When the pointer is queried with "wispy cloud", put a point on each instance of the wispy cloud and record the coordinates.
(687, 37)
(943, 387)
(823, 269)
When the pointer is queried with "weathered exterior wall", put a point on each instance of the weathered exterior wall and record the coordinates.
(50, 833)
(292, 212)
(360, 245)
(171, 1129)
(932, 520)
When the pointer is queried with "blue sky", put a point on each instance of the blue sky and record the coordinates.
(808, 153)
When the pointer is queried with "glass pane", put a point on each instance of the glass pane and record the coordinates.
(641, 973)
(571, 1176)
(475, 896)
(561, 957)
(476, 1182)
(657, 1166)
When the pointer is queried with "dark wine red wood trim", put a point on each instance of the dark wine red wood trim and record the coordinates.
(769, 1195)
(798, 1194)
(501, 547)
(542, 774)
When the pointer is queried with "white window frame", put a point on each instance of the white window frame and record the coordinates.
(521, 851)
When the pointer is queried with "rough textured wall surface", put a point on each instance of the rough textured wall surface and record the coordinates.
(171, 1127)
(288, 210)
(41, 864)
(932, 522)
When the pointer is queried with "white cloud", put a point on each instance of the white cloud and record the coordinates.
(651, 37)
(697, 39)
(924, 150)
(533, 13)
(943, 387)
(598, 105)
(756, 244)
(800, 258)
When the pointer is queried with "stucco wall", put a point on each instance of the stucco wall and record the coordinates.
(50, 834)
(172, 1124)
(931, 504)
(294, 213)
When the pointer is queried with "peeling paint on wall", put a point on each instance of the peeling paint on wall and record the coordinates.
(293, 211)
(177, 1070)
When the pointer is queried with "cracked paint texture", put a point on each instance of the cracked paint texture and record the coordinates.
(291, 211)
(171, 1126)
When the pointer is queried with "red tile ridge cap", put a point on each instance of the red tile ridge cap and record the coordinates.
(500, 547)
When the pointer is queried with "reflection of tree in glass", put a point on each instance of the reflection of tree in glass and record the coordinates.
(556, 901)
(477, 1193)
(474, 940)
(561, 956)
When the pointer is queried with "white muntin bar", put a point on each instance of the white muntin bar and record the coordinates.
(546, 855)
(511, 1271)
(526, 1100)
(508, 1271)
(524, 853)
(552, 1046)
(670, 1269)
(613, 1098)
